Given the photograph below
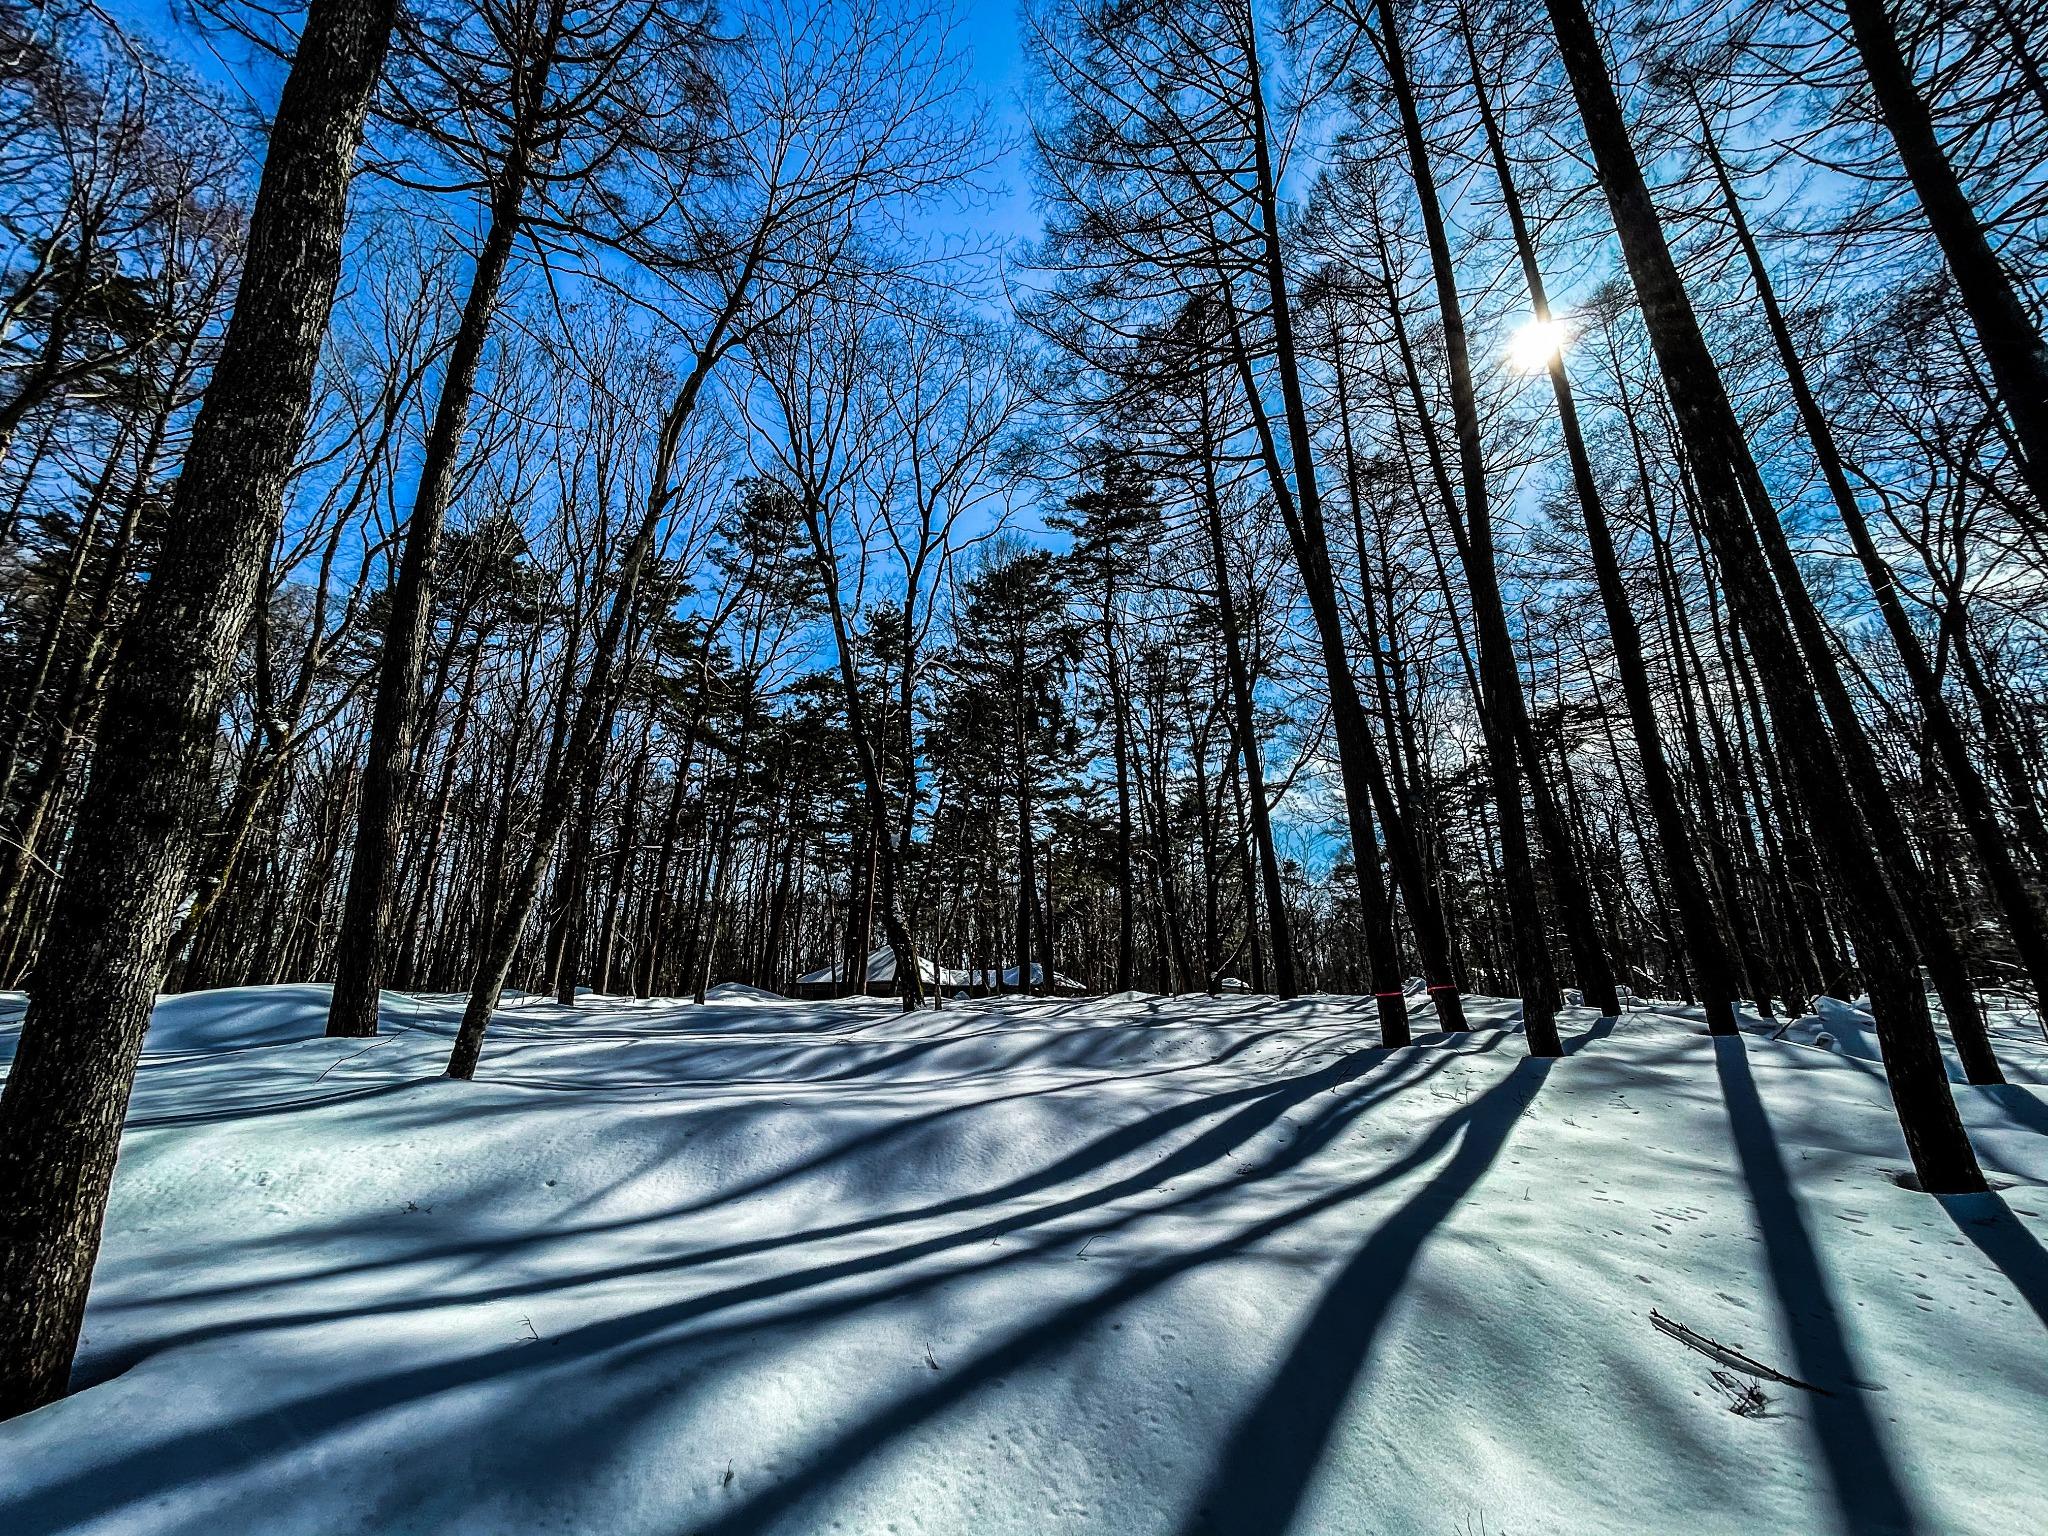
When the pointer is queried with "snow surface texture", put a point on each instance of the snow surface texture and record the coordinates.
(1120, 1266)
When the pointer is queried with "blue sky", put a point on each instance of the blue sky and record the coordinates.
(209, 52)
(988, 33)
(991, 37)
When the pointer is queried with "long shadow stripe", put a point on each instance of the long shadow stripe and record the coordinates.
(1859, 1469)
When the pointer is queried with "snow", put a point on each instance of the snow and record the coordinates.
(1013, 978)
(1200, 1265)
(740, 992)
(2015, 1038)
(236, 1020)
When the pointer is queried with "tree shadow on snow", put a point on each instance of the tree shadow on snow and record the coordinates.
(1598, 1030)
(1987, 1221)
(566, 1234)
(1859, 1470)
(2020, 1103)
(1221, 1123)
(695, 1326)
(1269, 1464)
(1274, 1453)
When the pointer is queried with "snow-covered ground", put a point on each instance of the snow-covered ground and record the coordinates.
(1119, 1266)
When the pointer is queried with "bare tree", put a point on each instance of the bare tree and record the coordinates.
(829, 124)
(534, 104)
(60, 1116)
(1724, 474)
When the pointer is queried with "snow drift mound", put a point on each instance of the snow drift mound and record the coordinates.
(237, 1018)
(740, 992)
(1848, 1030)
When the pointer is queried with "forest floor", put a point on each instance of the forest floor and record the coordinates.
(1121, 1266)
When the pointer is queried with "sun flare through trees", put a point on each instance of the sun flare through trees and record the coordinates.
(1056, 647)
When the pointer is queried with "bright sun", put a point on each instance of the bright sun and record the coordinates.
(1532, 347)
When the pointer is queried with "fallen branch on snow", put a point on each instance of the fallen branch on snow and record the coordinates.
(1714, 1350)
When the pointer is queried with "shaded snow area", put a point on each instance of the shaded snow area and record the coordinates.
(1112, 1266)
(2015, 1037)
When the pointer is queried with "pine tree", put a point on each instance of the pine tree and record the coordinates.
(1017, 644)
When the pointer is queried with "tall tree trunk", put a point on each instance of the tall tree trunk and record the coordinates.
(1365, 784)
(395, 717)
(60, 1116)
(277, 728)
(727, 835)
(671, 824)
(1120, 746)
(874, 793)
(1502, 709)
(628, 834)
(1205, 837)
(1702, 934)
(1934, 1134)
(2014, 775)
(80, 693)
(1707, 788)
(498, 942)
(433, 832)
(1245, 848)
(1027, 842)
(2012, 342)
(57, 613)
(1278, 926)
(1047, 928)
(572, 881)
(2025, 923)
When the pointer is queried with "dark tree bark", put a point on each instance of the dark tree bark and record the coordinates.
(1709, 962)
(1366, 788)
(60, 1117)
(1120, 747)
(1510, 751)
(2025, 922)
(578, 726)
(1278, 926)
(572, 887)
(57, 610)
(885, 890)
(1363, 775)
(2012, 342)
(576, 745)
(1027, 837)
(1942, 1156)
(1688, 678)
(2015, 777)
(394, 723)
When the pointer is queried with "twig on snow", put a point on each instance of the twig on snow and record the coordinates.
(1715, 1350)
(352, 1055)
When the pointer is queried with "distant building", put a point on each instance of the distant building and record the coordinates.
(881, 977)
(827, 980)
(980, 983)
